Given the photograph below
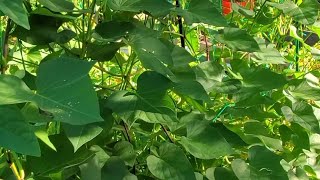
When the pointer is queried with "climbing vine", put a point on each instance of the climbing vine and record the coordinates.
(157, 89)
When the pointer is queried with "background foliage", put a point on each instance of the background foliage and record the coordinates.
(156, 89)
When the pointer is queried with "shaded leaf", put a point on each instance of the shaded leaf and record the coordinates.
(53, 161)
(15, 132)
(219, 173)
(125, 151)
(103, 52)
(116, 169)
(114, 30)
(43, 30)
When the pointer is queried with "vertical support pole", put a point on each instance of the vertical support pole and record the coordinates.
(183, 44)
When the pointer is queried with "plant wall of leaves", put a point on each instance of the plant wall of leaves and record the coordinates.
(141, 89)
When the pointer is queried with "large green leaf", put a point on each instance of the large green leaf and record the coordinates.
(63, 93)
(170, 164)
(115, 168)
(58, 5)
(79, 135)
(238, 40)
(16, 134)
(153, 54)
(58, 93)
(202, 11)
(305, 13)
(204, 141)
(302, 113)
(15, 10)
(150, 103)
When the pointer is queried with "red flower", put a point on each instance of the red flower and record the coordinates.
(227, 8)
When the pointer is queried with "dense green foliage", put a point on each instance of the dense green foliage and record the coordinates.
(157, 89)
